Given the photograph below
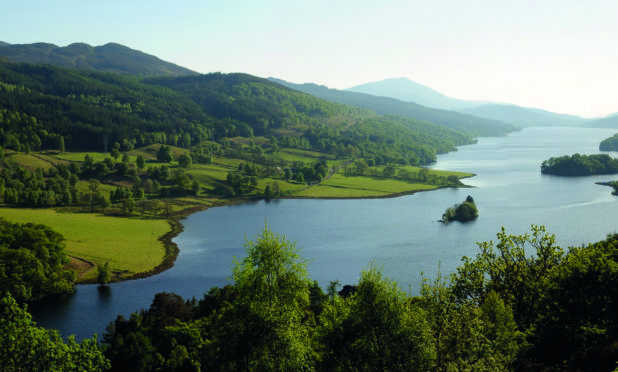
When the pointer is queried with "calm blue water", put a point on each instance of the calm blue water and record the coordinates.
(341, 237)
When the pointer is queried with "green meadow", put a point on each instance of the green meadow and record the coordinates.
(133, 245)
(130, 245)
(340, 186)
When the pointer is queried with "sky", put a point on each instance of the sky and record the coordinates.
(560, 56)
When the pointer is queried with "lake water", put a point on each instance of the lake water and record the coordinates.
(340, 238)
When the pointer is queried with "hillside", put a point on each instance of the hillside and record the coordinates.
(473, 126)
(90, 109)
(610, 121)
(110, 57)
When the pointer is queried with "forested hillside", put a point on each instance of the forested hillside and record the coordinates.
(39, 104)
(110, 57)
(471, 125)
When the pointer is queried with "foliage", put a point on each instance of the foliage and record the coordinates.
(468, 335)
(473, 126)
(580, 165)
(26, 347)
(32, 260)
(103, 274)
(609, 144)
(377, 329)
(579, 328)
(266, 331)
(164, 154)
(463, 212)
(506, 309)
(134, 246)
(506, 269)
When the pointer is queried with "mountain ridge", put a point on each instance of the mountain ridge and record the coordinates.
(474, 126)
(110, 57)
(408, 90)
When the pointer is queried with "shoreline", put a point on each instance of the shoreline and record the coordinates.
(172, 250)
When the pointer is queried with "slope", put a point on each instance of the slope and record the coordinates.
(110, 57)
(473, 126)
(41, 103)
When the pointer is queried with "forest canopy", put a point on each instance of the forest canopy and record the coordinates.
(32, 261)
(42, 106)
(609, 144)
(580, 165)
(522, 303)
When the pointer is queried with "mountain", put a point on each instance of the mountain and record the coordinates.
(41, 103)
(610, 121)
(110, 57)
(474, 126)
(523, 116)
(2, 43)
(407, 90)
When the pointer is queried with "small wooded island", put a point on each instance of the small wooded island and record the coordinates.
(463, 212)
(580, 165)
(609, 144)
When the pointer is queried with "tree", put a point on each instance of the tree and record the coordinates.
(93, 186)
(268, 192)
(463, 212)
(184, 161)
(376, 329)
(61, 147)
(88, 161)
(185, 141)
(32, 261)
(300, 177)
(578, 328)
(115, 153)
(263, 330)
(164, 154)
(488, 331)
(26, 347)
(140, 162)
(505, 269)
(103, 274)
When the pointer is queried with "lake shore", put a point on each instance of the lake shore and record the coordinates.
(176, 227)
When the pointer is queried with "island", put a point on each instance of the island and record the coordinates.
(463, 212)
(609, 144)
(580, 165)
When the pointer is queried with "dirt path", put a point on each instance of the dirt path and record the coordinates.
(81, 266)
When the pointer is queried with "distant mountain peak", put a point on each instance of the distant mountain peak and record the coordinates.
(404, 89)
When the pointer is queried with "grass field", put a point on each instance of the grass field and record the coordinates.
(31, 161)
(129, 245)
(340, 186)
(300, 155)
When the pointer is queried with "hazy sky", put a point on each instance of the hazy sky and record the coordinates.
(560, 55)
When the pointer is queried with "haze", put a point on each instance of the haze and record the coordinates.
(559, 56)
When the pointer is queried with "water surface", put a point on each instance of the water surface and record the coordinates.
(341, 237)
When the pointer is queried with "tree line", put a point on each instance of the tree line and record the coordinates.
(580, 165)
